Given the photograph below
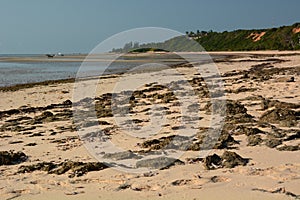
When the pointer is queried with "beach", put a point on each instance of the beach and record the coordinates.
(256, 155)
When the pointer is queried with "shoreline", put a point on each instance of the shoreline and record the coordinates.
(98, 57)
(227, 56)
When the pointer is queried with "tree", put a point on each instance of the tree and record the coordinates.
(136, 45)
(128, 46)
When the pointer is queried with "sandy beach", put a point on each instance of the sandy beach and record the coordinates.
(256, 156)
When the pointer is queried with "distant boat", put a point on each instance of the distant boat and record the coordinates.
(50, 55)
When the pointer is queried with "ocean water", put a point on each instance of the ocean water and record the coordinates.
(13, 73)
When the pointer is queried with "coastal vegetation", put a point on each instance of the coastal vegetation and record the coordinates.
(280, 38)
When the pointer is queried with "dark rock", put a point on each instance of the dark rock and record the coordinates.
(247, 130)
(31, 144)
(268, 103)
(121, 155)
(67, 102)
(16, 142)
(272, 142)
(228, 160)
(65, 140)
(195, 146)
(77, 168)
(241, 89)
(36, 135)
(181, 182)
(11, 158)
(18, 119)
(193, 160)
(233, 108)
(240, 118)
(212, 162)
(63, 115)
(15, 127)
(275, 133)
(124, 186)
(46, 116)
(289, 148)
(225, 141)
(234, 111)
(137, 121)
(293, 137)
(158, 163)
(279, 115)
(254, 140)
(43, 166)
(292, 79)
(169, 142)
(232, 159)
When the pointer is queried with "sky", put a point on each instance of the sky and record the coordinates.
(77, 26)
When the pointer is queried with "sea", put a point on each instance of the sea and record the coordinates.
(15, 72)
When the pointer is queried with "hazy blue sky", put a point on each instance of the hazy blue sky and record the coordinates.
(41, 26)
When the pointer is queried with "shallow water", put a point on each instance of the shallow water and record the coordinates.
(12, 73)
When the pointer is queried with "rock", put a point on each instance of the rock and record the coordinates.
(31, 144)
(16, 142)
(233, 108)
(239, 118)
(279, 115)
(228, 160)
(121, 155)
(158, 163)
(225, 141)
(247, 130)
(232, 159)
(212, 162)
(181, 182)
(272, 142)
(286, 79)
(77, 168)
(195, 146)
(291, 79)
(140, 187)
(241, 89)
(268, 103)
(43, 166)
(124, 186)
(36, 135)
(254, 140)
(46, 116)
(293, 137)
(276, 132)
(64, 115)
(289, 148)
(11, 158)
(169, 142)
(67, 102)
